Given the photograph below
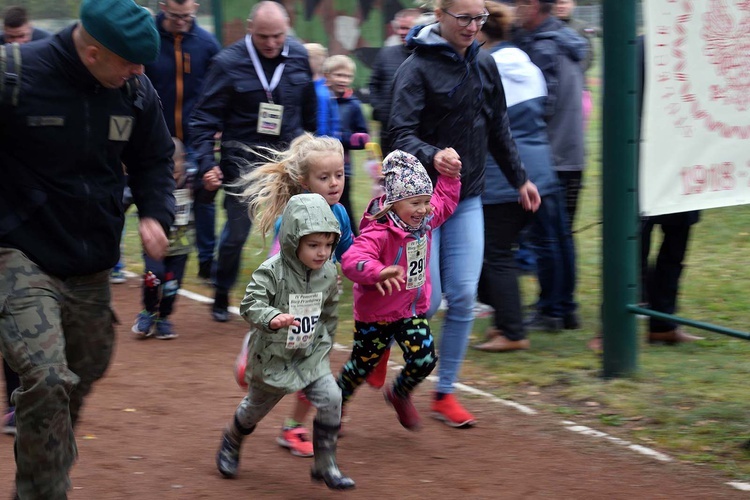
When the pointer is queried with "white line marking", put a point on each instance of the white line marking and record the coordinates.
(588, 431)
(571, 426)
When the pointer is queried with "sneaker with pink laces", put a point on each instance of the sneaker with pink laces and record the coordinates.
(296, 440)
(405, 410)
(376, 378)
(449, 411)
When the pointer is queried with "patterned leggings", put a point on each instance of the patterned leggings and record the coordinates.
(372, 339)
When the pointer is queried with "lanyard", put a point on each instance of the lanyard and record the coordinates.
(276, 78)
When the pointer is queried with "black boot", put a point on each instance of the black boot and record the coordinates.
(325, 468)
(228, 456)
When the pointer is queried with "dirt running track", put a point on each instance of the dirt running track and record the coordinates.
(151, 428)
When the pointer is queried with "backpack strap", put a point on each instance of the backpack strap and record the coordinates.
(10, 69)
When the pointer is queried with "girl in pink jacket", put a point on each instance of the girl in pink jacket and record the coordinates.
(389, 265)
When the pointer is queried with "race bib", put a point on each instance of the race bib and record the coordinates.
(182, 204)
(269, 118)
(305, 307)
(416, 263)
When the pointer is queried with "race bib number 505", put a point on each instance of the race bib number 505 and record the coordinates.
(306, 308)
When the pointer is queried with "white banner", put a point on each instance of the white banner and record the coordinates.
(695, 151)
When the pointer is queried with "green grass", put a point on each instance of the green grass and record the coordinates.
(688, 401)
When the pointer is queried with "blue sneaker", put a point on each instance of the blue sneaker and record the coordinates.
(117, 277)
(164, 330)
(9, 422)
(144, 324)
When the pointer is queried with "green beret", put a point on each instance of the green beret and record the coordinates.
(123, 27)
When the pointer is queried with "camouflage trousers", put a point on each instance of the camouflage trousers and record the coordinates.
(58, 336)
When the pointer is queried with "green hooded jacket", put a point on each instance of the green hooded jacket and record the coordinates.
(272, 365)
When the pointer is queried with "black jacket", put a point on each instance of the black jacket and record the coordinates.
(442, 100)
(229, 103)
(62, 150)
(384, 69)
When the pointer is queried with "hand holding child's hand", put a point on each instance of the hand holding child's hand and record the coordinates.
(447, 162)
(391, 277)
(212, 179)
(283, 320)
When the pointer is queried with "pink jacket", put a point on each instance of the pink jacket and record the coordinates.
(382, 243)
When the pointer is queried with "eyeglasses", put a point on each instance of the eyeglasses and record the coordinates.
(464, 20)
(186, 18)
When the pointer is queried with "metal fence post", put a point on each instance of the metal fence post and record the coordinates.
(619, 207)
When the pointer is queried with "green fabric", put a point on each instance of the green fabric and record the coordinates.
(273, 367)
(123, 27)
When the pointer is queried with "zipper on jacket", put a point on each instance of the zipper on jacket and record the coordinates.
(179, 87)
(87, 143)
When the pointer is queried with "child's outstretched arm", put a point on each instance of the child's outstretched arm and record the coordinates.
(257, 306)
(444, 199)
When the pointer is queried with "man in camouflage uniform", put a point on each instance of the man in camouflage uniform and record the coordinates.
(73, 109)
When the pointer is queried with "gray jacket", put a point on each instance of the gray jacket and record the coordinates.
(558, 51)
(272, 366)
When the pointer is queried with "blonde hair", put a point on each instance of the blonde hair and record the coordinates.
(336, 62)
(268, 187)
(316, 53)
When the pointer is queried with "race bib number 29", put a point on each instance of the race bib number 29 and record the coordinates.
(416, 262)
(306, 308)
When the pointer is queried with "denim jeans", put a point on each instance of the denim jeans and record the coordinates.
(233, 238)
(455, 266)
(552, 242)
(204, 210)
(498, 285)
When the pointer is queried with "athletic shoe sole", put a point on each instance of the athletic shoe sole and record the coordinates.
(458, 425)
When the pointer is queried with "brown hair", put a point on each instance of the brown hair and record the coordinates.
(500, 22)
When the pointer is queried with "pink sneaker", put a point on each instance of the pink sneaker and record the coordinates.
(449, 411)
(296, 440)
(376, 378)
(407, 413)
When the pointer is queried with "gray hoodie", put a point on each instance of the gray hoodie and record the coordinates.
(558, 51)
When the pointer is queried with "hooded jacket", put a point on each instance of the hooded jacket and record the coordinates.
(178, 72)
(525, 93)
(558, 51)
(381, 243)
(62, 150)
(441, 100)
(274, 367)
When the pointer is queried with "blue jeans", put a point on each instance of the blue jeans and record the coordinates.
(204, 209)
(233, 238)
(455, 265)
(552, 242)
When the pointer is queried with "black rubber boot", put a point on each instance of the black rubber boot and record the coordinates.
(325, 439)
(228, 456)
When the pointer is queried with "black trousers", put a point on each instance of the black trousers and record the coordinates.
(660, 281)
(498, 283)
